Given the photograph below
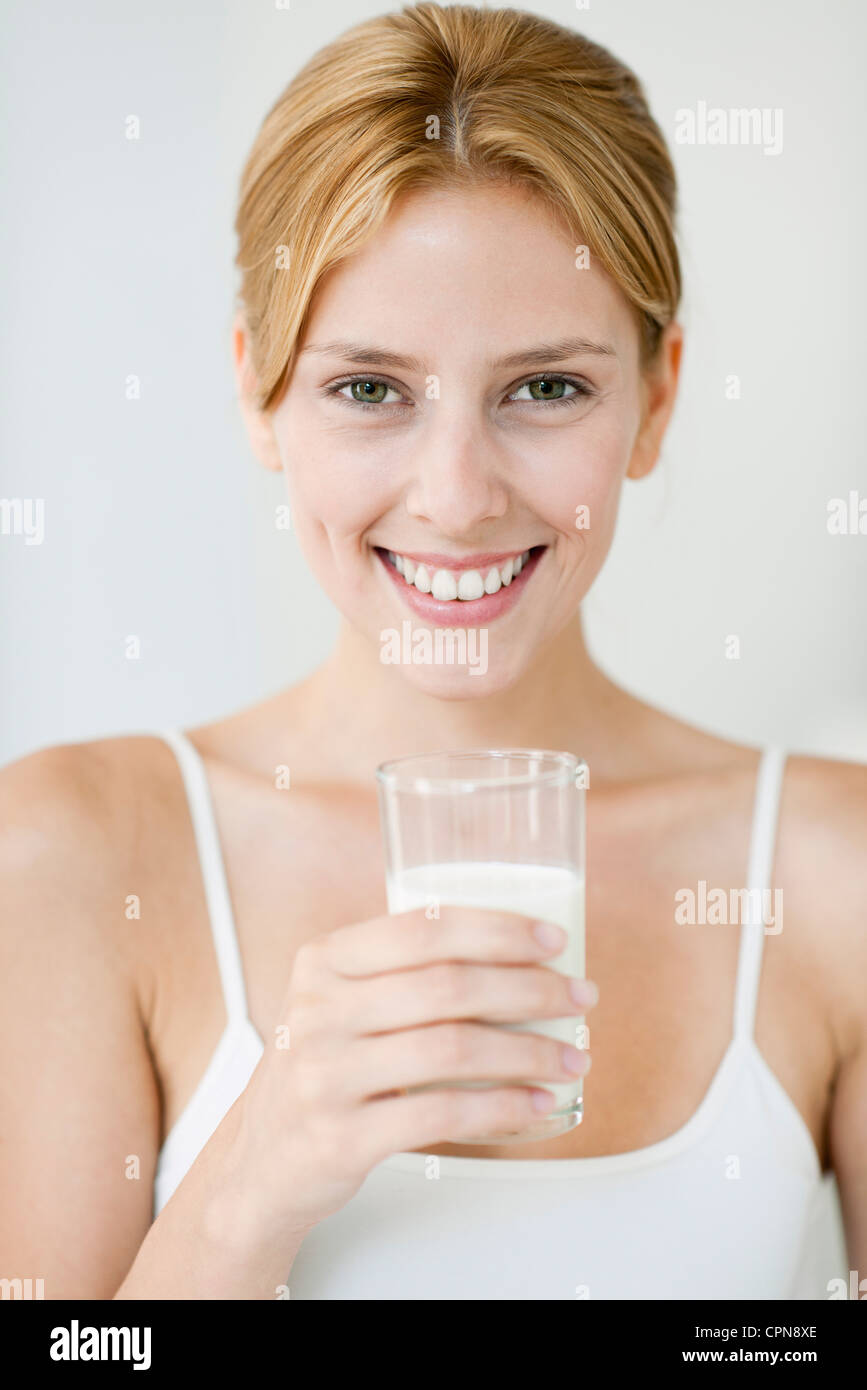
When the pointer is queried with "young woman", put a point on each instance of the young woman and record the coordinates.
(457, 338)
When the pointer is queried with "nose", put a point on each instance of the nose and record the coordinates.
(458, 481)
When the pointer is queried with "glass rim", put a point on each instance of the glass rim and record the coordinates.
(562, 770)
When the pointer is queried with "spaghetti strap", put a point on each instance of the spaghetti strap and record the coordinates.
(763, 839)
(213, 871)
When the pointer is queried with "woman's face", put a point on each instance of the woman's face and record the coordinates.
(464, 393)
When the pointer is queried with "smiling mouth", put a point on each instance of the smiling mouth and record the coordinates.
(460, 584)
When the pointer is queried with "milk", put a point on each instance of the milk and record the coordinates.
(539, 891)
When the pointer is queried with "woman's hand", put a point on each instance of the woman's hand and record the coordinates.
(373, 1009)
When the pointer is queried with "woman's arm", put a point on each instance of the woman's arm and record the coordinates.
(848, 1137)
(848, 1115)
(199, 1247)
(79, 1097)
(79, 1102)
(831, 811)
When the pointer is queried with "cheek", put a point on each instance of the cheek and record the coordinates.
(334, 500)
(578, 490)
(333, 494)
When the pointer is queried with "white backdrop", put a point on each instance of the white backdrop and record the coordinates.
(117, 263)
(117, 278)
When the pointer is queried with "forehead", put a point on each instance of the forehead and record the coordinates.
(491, 266)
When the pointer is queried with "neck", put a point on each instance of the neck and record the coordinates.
(365, 712)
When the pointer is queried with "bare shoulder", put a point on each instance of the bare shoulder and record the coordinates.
(70, 807)
(822, 860)
(88, 833)
(823, 845)
(830, 794)
(51, 783)
(61, 814)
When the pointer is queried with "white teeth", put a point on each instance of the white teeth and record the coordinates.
(493, 582)
(444, 585)
(448, 585)
(470, 585)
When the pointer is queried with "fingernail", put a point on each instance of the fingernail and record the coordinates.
(543, 1100)
(584, 992)
(575, 1060)
(549, 935)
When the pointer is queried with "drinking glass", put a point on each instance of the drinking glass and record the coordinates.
(503, 829)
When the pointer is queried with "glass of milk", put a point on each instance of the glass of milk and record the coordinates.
(495, 828)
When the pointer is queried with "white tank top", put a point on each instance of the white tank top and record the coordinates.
(726, 1207)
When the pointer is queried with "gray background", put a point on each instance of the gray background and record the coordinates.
(117, 260)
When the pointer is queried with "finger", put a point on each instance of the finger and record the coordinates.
(408, 939)
(400, 1124)
(455, 990)
(448, 1052)
(403, 940)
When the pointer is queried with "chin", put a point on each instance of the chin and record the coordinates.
(477, 679)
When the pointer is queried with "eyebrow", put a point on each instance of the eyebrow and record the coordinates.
(539, 355)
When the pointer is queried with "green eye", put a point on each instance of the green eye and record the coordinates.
(555, 390)
(546, 389)
(374, 392)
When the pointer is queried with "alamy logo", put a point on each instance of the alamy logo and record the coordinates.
(713, 125)
(716, 907)
(856, 1289)
(102, 1344)
(445, 646)
(22, 1288)
(23, 516)
(847, 517)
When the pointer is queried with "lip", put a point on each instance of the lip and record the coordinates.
(474, 612)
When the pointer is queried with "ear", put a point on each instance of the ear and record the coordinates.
(659, 390)
(260, 429)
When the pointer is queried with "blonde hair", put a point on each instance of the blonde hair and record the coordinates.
(514, 97)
